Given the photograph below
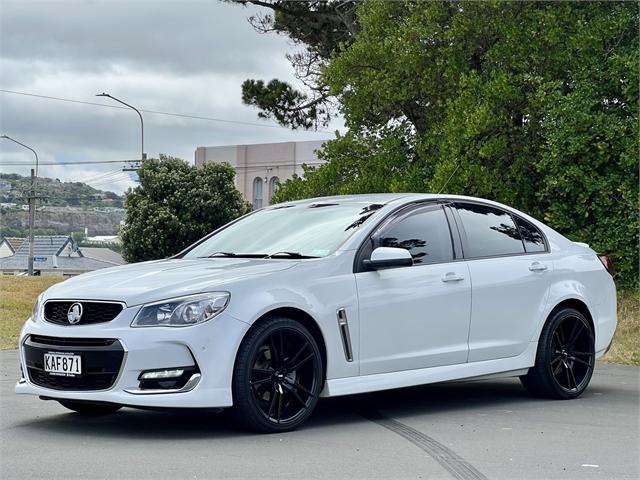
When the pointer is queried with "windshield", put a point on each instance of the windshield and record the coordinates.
(296, 231)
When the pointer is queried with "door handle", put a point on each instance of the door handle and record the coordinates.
(537, 267)
(452, 277)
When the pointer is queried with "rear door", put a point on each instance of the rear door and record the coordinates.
(414, 316)
(510, 268)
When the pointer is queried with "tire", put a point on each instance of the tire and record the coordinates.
(86, 408)
(277, 377)
(565, 358)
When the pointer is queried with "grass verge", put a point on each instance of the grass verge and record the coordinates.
(626, 342)
(17, 295)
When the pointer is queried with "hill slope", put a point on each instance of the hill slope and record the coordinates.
(67, 207)
(14, 188)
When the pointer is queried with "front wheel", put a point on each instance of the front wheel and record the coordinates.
(86, 408)
(565, 359)
(277, 377)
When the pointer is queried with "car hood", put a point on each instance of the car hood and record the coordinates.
(146, 282)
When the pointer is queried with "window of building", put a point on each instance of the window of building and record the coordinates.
(257, 193)
(273, 184)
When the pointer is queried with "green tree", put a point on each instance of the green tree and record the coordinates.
(534, 104)
(319, 27)
(175, 205)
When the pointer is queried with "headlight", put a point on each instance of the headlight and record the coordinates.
(183, 311)
(35, 313)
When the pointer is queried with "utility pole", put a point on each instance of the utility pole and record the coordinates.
(32, 202)
(135, 166)
(32, 220)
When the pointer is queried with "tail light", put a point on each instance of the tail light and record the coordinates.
(608, 264)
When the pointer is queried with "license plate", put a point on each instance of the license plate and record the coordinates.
(63, 364)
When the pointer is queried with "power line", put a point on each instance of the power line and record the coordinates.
(70, 163)
(157, 112)
(104, 176)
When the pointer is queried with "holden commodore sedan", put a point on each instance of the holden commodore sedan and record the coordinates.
(327, 297)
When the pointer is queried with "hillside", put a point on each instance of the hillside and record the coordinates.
(67, 207)
(14, 187)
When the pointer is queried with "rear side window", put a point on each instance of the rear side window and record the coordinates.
(489, 231)
(531, 236)
(424, 232)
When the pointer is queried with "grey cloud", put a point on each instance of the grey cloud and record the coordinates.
(164, 36)
(185, 57)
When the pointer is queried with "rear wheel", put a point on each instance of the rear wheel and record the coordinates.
(91, 408)
(565, 357)
(277, 377)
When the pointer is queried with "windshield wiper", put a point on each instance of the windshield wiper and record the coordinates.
(290, 255)
(236, 255)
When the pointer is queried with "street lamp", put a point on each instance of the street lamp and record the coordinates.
(25, 146)
(32, 202)
(103, 94)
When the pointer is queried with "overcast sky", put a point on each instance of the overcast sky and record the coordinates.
(187, 57)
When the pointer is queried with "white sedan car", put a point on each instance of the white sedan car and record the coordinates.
(326, 297)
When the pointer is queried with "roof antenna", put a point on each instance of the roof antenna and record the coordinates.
(448, 179)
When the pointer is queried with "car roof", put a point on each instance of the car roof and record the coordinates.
(389, 198)
(381, 198)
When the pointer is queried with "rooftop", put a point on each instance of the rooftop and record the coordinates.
(102, 254)
(14, 242)
(44, 245)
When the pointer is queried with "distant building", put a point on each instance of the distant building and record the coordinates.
(58, 255)
(115, 239)
(261, 167)
(9, 245)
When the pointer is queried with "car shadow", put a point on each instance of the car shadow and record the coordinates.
(176, 424)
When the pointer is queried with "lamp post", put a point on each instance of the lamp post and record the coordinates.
(143, 156)
(32, 202)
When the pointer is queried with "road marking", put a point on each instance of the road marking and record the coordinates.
(590, 465)
(457, 466)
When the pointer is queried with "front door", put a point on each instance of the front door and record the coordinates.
(416, 316)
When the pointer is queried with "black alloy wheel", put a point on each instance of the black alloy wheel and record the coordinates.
(277, 377)
(565, 358)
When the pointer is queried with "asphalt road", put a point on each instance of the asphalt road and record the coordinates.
(472, 431)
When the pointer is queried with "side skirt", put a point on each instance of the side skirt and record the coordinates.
(511, 366)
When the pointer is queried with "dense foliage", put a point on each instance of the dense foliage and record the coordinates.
(175, 205)
(320, 27)
(534, 104)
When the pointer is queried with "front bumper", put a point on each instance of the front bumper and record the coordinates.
(209, 347)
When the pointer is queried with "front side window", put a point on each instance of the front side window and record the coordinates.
(288, 230)
(531, 236)
(257, 193)
(489, 231)
(424, 232)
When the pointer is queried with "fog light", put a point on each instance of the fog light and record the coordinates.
(162, 374)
